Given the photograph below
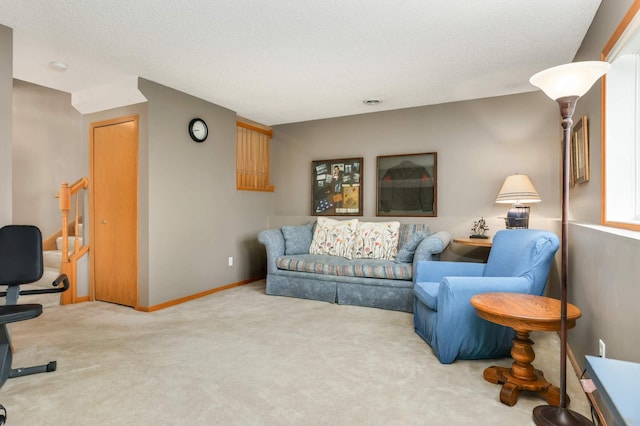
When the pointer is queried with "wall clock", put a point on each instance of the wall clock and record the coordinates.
(198, 130)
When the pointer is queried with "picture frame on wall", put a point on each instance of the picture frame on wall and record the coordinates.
(407, 185)
(336, 187)
(580, 152)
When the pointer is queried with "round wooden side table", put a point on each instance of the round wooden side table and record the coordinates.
(524, 313)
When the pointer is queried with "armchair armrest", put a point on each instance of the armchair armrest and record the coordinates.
(436, 271)
(62, 279)
(466, 287)
(273, 241)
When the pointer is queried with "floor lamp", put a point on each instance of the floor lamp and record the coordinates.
(565, 84)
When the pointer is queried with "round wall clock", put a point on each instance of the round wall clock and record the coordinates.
(198, 130)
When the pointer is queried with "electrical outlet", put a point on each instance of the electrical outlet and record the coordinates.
(230, 260)
(602, 349)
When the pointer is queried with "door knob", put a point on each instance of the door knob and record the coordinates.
(103, 221)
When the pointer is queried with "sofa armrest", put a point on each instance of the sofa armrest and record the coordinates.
(273, 241)
(430, 248)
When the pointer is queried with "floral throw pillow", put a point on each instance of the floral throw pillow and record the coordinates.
(377, 240)
(334, 237)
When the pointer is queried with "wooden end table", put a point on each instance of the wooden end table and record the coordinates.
(475, 242)
(523, 313)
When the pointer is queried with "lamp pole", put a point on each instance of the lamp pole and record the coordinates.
(567, 107)
(549, 414)
(565, 84)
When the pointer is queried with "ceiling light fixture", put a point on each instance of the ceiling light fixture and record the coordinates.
(372, 101)
(58, 66)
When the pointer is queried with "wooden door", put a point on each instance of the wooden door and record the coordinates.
(114, 195)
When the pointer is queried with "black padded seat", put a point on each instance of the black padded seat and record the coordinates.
(15, 313)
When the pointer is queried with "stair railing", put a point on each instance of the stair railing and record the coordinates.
(68, 195)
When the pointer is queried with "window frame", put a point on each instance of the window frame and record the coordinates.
(627, 31)
(253, 157)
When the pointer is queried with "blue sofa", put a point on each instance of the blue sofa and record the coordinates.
(519, 262)
(385, 284)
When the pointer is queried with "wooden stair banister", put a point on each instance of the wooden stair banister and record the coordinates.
(68, 265)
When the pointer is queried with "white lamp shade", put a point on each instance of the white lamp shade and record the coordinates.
(517, 189)
(573, 79)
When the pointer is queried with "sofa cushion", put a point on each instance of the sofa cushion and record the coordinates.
(375, 268)
(333, 265)
(297, 239)
(334, 237)
(427, 293)
(408, 249)
(377, 240)
(408, 229)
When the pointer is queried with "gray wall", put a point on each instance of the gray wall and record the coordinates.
(191, 218)
(46, 152)
(196, 217)
(6, 82)
(479, 143)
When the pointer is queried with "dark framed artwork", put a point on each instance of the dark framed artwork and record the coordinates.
(407, 185)
(580, 152)
(336, 187)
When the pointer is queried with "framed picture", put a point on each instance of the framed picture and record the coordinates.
(336, 187)
(407, 185)
(580, 152)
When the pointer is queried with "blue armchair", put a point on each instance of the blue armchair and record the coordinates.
(519, 262)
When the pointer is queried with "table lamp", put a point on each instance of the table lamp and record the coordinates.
(517, 190)
(565, 84)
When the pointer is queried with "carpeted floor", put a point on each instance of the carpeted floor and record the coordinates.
(240, 357)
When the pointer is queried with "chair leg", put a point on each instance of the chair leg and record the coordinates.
(6, 358)
(5, 354)
(26, 371)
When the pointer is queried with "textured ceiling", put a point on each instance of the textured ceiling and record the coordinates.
(283, 61)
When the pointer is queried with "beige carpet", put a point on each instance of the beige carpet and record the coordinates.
(240, 357)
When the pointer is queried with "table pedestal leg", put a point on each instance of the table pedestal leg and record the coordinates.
(522, 375)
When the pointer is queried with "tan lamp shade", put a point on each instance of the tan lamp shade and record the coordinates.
(517, 189)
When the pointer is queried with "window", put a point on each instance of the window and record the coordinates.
(252, 157)
(621, 120)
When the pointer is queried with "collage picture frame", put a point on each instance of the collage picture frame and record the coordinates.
(336, 187)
